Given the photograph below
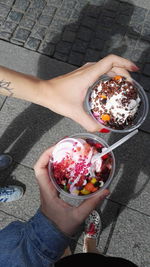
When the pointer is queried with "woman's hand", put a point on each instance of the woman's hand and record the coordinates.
(65, 94)
(65, 216)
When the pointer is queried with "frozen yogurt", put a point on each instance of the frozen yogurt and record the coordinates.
(74, 168)
(115, 102)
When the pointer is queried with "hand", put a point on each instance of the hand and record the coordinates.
(65, 216)
(65, 94)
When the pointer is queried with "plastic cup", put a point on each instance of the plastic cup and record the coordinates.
(99, 140)
(139, 117)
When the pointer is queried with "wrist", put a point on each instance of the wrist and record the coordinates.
(44, 94)
(45, 237)
(67, 229)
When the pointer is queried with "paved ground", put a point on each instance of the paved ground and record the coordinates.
(54, 36)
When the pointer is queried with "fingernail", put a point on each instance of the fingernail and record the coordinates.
(104, 131)
(135, 68)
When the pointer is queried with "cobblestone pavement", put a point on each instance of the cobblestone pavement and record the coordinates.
(77, 31)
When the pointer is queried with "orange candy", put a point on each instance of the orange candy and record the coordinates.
(103, 96)
(105, 117)
(117, 77)
(95, 189)
(89, 186)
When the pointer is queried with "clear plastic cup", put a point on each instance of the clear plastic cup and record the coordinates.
(97, 139)
(139, 117)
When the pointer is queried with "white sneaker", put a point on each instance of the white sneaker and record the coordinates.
(11, 193)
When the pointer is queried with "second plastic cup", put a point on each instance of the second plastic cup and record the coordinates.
(93, 140)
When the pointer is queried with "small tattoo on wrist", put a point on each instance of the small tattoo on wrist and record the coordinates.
(6, 85)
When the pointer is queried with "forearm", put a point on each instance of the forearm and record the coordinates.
(22, 86)
(35, 243)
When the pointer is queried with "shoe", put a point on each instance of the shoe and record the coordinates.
(5, 161)
(11, 193)
(93, 227)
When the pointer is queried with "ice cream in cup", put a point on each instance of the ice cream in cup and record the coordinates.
(74, 170)
(117, 103)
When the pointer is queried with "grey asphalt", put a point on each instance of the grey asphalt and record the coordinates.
(26, 130)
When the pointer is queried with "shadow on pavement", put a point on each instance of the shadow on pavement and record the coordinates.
(99, 31)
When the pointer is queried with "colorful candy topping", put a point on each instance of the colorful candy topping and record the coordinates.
(105, 117)
(73, 167)
(118, 78)
(114, 102)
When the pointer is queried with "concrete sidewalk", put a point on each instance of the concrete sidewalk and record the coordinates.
(26, 130)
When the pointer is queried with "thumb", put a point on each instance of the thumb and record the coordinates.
(40, 166)
(88, 205)
(42, 176)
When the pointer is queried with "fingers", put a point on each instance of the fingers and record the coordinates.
(107, 64)
(112, 61)
(120, 71)
(88, 205)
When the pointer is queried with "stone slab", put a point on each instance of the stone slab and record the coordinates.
(26, 136)
(131, 238)
(6, 219)
(31, 62)
(37, 24)
(2, 99)
(131, 183)
(143, 3)
(29, 203)
(146, 125)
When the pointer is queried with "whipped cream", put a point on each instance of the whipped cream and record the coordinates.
(74, 148)
(79, 152)
(117, 105)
